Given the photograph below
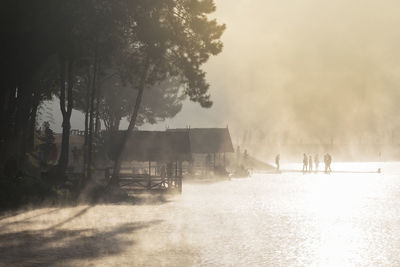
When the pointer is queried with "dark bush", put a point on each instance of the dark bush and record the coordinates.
(21, 190)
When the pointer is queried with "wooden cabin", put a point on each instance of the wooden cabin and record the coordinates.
(209, 148)
(152, 159)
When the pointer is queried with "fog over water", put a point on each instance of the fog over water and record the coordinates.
(288, 219)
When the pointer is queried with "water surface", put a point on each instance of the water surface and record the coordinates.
(288, 219)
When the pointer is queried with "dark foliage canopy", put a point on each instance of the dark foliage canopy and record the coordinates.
(110, 59)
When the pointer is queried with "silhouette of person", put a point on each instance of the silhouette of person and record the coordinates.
(310, 163)
(316, 160)
(305, 162)
(277, 159)
(326, 162)
(329, 161)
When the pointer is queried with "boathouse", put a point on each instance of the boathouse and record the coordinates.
(152, 159)
(209, 148)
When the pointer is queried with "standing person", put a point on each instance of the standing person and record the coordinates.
(316, 160)
(305, 162)
(326, 162)
(329, 160)
(245, 157)
(310, 163)
(277, 159)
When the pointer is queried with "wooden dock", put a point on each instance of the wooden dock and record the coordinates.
(160, 156)
(153, 180)
(319, 171)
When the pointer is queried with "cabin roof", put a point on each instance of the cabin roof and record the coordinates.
(152, 146)
(208, 140)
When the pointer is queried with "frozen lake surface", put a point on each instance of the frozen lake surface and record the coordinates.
(288, 219)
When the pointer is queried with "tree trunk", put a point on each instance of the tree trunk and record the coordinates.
(66, 112)
(115, 124)
(8, 133)
(17, 135)
(32, 124)
(25, 104)
(3, 122)
(85, 144)
(97, 127)
(118, 160)
(91, 118)
(3, 112)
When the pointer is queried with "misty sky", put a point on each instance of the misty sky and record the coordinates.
(313, 68)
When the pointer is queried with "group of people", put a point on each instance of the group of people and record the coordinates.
(308, 162)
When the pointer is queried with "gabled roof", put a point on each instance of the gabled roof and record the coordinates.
(208, 140)
(152, 146)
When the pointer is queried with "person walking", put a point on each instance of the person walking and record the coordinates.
(277, 159)
(310, 163)
(305, 162)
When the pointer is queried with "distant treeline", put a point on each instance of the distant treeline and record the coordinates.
(109, 59)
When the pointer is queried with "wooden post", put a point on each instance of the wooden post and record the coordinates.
(180, 185)
(149, 177)
(149, 168)
(214, 161)
(169, 173)
(180, 177)
(163, 172)
(176, 173)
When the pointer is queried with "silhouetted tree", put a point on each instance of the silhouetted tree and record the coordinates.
(100, 56)
(28, 50)
(163, 100)
(89, 33)
(170, 38)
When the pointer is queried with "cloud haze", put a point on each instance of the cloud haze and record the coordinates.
(308, 68)
(314, 68)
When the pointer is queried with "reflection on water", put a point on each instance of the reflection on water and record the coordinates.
(290, 219)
